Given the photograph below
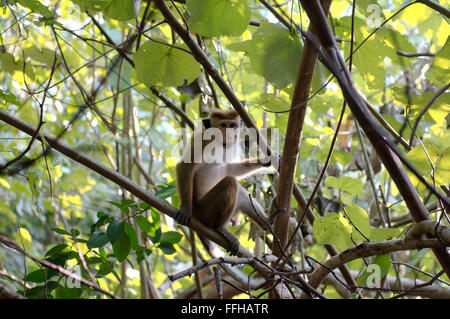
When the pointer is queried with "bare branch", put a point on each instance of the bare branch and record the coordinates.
(367, 250)
(11, 244)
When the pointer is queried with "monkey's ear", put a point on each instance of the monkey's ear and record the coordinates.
(207, 123)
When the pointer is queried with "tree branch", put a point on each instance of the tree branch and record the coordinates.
(425, 109)
(138, 191)
(437, 7)
(293, 136)
(382, 143)
(202, 58)
(11, 244)
(369, 249)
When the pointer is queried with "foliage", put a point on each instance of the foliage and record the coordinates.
(101, 102)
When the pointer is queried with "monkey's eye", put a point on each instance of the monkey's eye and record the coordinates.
(232, 125)
(223, 125)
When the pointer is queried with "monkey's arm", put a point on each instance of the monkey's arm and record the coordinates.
(185, 182)
(245, 168)
(250, 166)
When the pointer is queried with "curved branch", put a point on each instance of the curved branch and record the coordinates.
(414, 287)
(138, 191)
(425, 109)
(383, 145)
(11, 244)
(112, 175)
(366, 250)
(202, 58)
(429, 227)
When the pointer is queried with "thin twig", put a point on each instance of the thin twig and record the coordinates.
(425, 109)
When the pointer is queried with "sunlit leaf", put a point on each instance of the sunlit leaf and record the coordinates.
(345, 183)
(333, 229)
(439, 71)
(159, 64)
(212, 18)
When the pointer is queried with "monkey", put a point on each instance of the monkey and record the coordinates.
(209, 188)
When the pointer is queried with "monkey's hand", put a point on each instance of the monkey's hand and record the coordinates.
(183, 216)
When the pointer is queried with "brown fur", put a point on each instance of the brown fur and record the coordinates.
(217, 114)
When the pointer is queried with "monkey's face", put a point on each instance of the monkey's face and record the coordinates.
(230, 131)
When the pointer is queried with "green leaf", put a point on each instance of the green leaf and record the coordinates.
(369, 61)
(31, 178)
(213, 18)
(333, 229)
(42, 55)
(141, 252)
(345, 184)
(170, 237)
(59, 249)
(360, 219)
(102, 220)
(67, 293)
(125, 205)
(105, 268)
(442, 170)
(167, 248)
(419, 157)
(75, 232)
(155, 218)
(162, 65)
(92, 5)
(274, 53)
(36, 6)
(167, 192)
(98, 240)
(61, 231)
(155, 239)
(129, 230)
(273, 102)
(115, 230)
(10, 98)
(122, 248)
(145, 225)
(39, 291)
(439, 72)
(396, 41)
(122, 10)
(381, 234)
(38, 275)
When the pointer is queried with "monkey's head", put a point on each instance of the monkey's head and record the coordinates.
(229, 124)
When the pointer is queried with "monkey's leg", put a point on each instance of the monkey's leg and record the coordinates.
(249, 206)
(217, 207)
